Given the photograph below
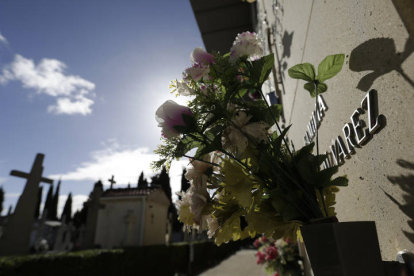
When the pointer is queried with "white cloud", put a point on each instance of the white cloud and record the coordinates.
(124, 163)
(3, 39)
(77, 203)
(48, 77)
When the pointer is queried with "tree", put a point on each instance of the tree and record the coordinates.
(67, 209)
(142, 182)
(1, 199)
(49, 202)
(53, 211)
(163, 180)
(185, 184)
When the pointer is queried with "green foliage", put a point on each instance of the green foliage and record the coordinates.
(304, 71)
(330, 66)
(261, 69)
(327, 69)
(130, 261)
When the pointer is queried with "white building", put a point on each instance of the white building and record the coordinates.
(132, 217)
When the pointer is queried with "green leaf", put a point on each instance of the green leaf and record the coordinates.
(275, 109)
(330, 66)
(207, 148)
(277, 140)
(261, 69)
(185, 145)
(304, 71)
(322, 87)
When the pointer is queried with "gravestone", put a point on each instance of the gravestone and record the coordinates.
(16, 235)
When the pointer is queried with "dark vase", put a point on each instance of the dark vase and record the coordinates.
(343, 248)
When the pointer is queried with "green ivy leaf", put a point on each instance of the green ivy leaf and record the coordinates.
(304, 71)
(330, 66)
(322, 87)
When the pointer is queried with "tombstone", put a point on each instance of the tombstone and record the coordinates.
(16, 235)
(63, 236)
(38, 233)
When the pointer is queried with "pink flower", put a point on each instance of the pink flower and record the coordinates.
(271, 253)
(201, 56)
(264, 239)
(257, 243)
(169, 115)
(260, 257)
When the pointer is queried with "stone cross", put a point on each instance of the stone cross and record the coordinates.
(16, 237)
(130, 220)
(112, 181)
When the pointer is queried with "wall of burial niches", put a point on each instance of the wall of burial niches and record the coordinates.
(379, 56)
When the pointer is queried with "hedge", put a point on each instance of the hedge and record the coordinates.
(146, 260)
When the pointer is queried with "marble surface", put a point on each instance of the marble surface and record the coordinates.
(375, 41)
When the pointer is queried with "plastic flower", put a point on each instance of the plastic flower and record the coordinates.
(169, 115)
(246, 44)
(197, 72)
(201, 56)
(184, 212)
(198, 200)
(257, 243)
(260, 257)
(271, 253)
(184, 90)
(234, 137)
(212, 224)
(197, 170)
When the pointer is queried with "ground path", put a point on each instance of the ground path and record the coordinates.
(243, 263)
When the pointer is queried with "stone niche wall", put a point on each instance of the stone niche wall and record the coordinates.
(379, 56)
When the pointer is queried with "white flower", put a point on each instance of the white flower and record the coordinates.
(246, 44)
(184, 90)
(197, 72)
(199, 198)
(201, 56)
(235, 140)
(212, 224)
(197, 169)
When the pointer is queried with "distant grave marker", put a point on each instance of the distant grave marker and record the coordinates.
(16, 236)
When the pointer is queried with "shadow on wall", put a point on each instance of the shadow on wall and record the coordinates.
(380, 56)
(287, 44)
(406, 183)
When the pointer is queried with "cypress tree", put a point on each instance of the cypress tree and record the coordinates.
(142, 183)
(49, 202)
(1, 199)
(67, 210)
(53, 211)
(185, 184)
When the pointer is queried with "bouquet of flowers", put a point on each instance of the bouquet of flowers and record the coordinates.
(281, 257)
(246, 178)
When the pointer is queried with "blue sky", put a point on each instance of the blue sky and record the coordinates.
(80, 81)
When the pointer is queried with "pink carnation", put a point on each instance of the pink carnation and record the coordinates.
(260, 257)
(271, 253)
(169, 115)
